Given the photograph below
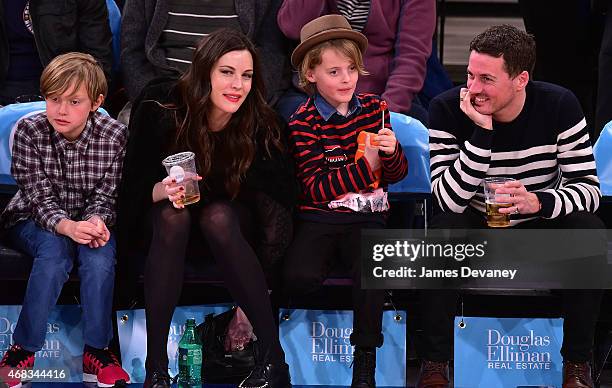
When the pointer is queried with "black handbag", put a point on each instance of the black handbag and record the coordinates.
(219, 366)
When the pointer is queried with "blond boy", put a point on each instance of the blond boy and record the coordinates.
(67, 165)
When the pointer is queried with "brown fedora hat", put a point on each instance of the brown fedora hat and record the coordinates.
(325, 28)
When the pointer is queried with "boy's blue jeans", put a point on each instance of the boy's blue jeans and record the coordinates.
(54, 256)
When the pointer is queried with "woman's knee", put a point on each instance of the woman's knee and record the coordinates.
(169, 222)
(219, 219)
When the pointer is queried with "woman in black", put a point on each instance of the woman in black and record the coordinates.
(216, 110)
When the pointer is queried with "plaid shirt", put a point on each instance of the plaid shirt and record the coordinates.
(60, 179)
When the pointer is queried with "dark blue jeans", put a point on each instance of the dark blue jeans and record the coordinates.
(54, 256)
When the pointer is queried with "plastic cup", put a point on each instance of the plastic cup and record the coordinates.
(495, 219)
(182, 168)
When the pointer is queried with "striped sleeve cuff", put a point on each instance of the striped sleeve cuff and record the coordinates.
(548, 204)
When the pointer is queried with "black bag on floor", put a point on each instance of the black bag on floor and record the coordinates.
(219, 366)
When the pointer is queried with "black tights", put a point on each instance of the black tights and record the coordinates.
(219, 223)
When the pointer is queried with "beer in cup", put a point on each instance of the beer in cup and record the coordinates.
(182, 168)
(495, 219)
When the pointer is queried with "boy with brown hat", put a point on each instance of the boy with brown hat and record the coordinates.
(337, 200)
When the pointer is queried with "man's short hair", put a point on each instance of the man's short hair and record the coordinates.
(314, 57)
(73, 69)
(516, 46)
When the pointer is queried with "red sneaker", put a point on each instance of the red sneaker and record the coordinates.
(101, 366)
(15, 361)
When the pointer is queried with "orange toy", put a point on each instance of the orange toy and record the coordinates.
(361, 143)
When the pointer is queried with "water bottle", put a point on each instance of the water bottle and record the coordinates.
(190, 356)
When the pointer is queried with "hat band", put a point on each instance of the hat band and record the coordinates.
(326, 30)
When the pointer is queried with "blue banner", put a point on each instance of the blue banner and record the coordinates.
(318, 349)
(60, 359)
(133, 336)
(508, 352)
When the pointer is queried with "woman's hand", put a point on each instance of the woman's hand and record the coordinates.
(176, 191)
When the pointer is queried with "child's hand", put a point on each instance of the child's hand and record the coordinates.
(102, 229)
(386, 140)
(371, 153)
(81, 232)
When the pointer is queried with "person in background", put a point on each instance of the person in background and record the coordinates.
(33, 32)
(567, 49)
(399, 37)
(159, 36)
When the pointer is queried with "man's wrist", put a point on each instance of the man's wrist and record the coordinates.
(539, 204)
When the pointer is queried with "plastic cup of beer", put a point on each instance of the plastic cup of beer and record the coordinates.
(182, 168)
(495, 219)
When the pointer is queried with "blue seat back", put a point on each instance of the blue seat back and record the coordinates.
(603, 158)
(414, 138)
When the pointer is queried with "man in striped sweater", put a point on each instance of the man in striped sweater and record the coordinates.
(504, 124)
(336, 201)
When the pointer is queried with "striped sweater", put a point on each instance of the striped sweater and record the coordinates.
(324, 153)
(546, 147)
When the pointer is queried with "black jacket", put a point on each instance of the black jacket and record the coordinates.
(152, 128)
(61, 26)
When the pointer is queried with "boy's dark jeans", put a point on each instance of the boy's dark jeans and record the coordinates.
(54, 256)
(315, 246)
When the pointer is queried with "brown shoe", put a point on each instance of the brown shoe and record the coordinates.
(433, 375)
(577, 375)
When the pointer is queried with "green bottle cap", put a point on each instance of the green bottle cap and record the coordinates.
(190, 322)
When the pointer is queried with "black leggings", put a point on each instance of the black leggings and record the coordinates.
(219, 223)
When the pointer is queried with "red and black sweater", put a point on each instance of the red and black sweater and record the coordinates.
(324, 153)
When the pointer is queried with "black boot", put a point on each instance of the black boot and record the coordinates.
(157, 380)
(267, 374)
(364, 368)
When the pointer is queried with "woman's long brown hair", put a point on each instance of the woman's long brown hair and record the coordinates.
(254, 121)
